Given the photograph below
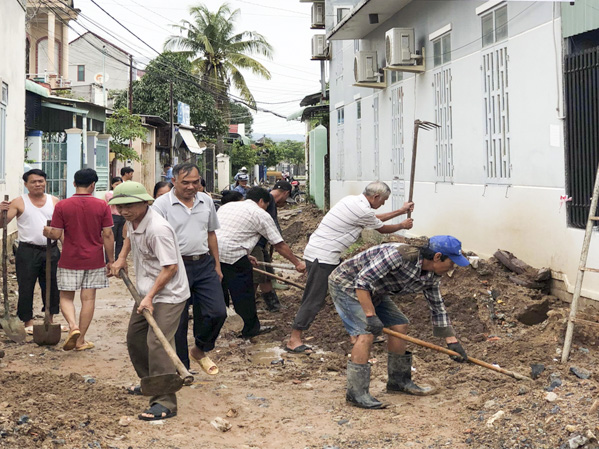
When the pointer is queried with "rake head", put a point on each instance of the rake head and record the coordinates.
(426, 125)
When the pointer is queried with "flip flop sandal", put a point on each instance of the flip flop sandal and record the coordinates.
(207, 365)
(135, 391)
(86, 345)
(301, 349)
(158, 412)
(29, 330)
(71, 340)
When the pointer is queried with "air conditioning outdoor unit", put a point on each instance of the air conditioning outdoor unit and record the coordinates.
(317, 15)
(366, 67)
(319, 47)
(399, 46)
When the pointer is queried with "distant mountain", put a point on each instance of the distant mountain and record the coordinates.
(282, 137)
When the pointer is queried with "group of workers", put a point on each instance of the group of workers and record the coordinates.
(188, 254)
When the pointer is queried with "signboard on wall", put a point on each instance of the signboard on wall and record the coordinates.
(183, 114)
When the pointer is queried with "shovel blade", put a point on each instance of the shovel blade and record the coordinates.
(161, 384)
(14, 329)
(46, 334)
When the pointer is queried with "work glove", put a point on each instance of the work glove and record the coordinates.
(374, 325)
(457, 347)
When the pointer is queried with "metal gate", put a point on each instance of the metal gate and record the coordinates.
(581, 75)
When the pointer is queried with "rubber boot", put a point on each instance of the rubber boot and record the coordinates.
(272, 301)
(399, 369)
(358, 382)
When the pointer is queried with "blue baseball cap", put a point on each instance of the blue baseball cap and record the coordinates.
(448, 246)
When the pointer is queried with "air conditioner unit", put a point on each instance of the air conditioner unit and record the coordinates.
(317, 15)
(366, 67)
(319, 46)
(399, 46)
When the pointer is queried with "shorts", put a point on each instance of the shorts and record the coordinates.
(73, 280)
(353, 316)
(263, 255)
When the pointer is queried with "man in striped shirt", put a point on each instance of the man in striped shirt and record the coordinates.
(360, 288)
(338, 230)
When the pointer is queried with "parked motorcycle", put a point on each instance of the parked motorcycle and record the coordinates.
(297, 195)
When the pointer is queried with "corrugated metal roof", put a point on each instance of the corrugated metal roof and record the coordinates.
(579, 18)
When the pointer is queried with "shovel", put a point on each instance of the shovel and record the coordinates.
(163, 383)
(13, 327)
(417, 125)
(47, 333)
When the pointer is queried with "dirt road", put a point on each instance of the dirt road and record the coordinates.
(55, 399)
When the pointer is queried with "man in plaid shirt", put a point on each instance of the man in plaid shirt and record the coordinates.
(360, 287)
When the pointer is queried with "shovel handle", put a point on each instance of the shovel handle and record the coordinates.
(187, 377)
(280, 266)
(279, 278)
(5, 257)
(48, 277)
(450, 352)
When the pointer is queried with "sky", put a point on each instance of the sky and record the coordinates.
(285, 25)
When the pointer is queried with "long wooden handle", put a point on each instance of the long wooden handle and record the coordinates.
(413, 170)
(280, 266)
(5, 257)
(187, 377)
(48, 276)
(279, 278)
(450, 352)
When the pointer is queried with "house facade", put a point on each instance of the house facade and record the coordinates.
(513, 162)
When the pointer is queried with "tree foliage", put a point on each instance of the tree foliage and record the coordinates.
(151, 94)
(241, 114)
(243, 156)
(291, 151)
(124, 127)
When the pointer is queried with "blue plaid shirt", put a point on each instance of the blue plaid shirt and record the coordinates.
(382, 270)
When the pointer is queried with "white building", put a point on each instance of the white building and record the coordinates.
(12, 98)
(498, 170)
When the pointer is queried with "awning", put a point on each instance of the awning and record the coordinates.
(308, 112)
(190, 141)
(359, 22)
(295, 115)
(62, 107)
(36, 89)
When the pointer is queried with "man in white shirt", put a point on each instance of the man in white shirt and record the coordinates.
(242, 224)
(338, 230)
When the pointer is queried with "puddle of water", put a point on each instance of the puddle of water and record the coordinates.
(265, 353)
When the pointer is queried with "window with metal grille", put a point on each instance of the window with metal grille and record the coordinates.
(340, 154)
(496, 114)
(359, 149)
(443, 118)
(54, 163)
(395, 77)
(340, 116)
(397, 132)
(494, 26)
(442, 50)
(375, 106)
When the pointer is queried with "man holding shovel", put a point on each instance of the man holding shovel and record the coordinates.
(161, 282)
(32, 211)
(360, 288)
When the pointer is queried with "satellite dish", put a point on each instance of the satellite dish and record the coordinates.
(99, 78)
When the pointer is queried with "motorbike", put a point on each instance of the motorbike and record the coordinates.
(297, 195)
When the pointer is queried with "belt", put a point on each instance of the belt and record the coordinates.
(195, 258)
(39, 247)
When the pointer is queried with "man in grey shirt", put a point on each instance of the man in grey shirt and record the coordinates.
(193, 216)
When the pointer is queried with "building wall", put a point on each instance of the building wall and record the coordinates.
(12, 48)
(522, 214)
(88, 51)
(37, 32)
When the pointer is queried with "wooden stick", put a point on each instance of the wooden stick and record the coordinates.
(279, 278)
(280, 266)
(187, 377)
(450, 352)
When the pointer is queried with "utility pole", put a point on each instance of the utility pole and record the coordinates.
(130, 84)
(172, 127)
(104, 76)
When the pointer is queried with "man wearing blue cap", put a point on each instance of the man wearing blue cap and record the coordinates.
(360, 287)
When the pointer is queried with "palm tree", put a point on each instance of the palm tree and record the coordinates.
(218, 53)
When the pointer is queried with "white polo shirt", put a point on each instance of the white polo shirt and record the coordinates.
(340, 228)
(154, 245)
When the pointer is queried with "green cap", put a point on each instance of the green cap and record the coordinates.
(130, 192)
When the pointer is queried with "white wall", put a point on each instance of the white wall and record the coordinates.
(522, 216)
(12, 49)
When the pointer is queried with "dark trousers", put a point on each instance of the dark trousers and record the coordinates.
(209, 311)
(238, 282)
(145, 350)
(117, 229)
(315, 293)
(31, 268)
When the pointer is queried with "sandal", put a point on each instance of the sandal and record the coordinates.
(85, 346)
(135, 390)
(301, 349)
(71, 340)
(158, 412)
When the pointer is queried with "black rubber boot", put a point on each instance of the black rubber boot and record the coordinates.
(399, 369)
(272, 301)
(358, 382)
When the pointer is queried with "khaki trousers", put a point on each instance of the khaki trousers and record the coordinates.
(147, 354)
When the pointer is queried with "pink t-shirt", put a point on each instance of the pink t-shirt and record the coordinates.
(82, 218)
(107, 197)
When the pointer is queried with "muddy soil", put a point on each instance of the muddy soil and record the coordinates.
(272, 399)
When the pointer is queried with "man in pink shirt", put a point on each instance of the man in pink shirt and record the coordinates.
(86, 223)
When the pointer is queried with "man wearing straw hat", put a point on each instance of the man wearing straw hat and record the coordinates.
(161, 282)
